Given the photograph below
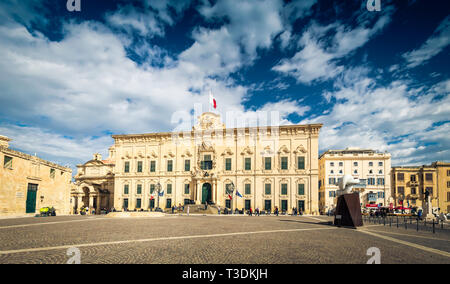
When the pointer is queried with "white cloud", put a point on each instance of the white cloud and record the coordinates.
(394, 118)
(433, 46)
(317, 61)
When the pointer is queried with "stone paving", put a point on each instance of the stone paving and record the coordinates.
(200, 239)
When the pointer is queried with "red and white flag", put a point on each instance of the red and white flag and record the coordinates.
(212, 100)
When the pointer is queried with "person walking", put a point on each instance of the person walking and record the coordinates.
(218, 210)
(251, 213)
(188, 210)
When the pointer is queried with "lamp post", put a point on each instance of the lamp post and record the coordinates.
(230, 190)
(158, 190)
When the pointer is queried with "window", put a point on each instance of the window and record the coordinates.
(125, 203)
(448, 173)
(301, 189)
(7, 162)
(168, 203)
(448, 184)
(380, 164)
(169, 165)
(331, 164)
(341, 164)
(152, 188)
(138, 203)
(186, 188)
(248, 190)
(370, 172)
(52, 173)
(187, 201)
(127, 167)
(331, 181)
(248, 164)
(169, 188)
(401, 190)
(429, 177)
(152, 166)
(370, 164)
(206, 164)
(301, 163)
(139, 167)
(430, 190)
(267, 188)
(380, 172)
(412, 178)
(355, 164)
(332, 193)
(126, 189)
(331, 172)
(267, 163)
(448, 196)
(228, 164)
(401, 176)
(284, 163)
(340, 171)
(413, 190)
(355, 171)
(139, 189)
(380, 181)
(371, 181)
(284, 189)
(187, 165)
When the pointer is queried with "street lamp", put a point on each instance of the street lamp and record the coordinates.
(230, 190)
(158, 190)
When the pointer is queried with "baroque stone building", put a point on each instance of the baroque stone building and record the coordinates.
(254, 167)
(409, 185)
(28, 183)
(373, 168)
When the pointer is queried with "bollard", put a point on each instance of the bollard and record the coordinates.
(390, 222)
(406, 225)
(433, 227)
(384, 221)
(417, 224)
(397, 221)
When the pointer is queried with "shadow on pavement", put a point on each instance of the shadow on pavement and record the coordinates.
(326, 223)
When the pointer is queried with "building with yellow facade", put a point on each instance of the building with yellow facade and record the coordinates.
(370, 166)
(28, 183)
(253, 167)
(409, 185)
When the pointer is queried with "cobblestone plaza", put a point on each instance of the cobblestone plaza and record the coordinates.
(198, 239)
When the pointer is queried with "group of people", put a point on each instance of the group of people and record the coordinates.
(179, 208)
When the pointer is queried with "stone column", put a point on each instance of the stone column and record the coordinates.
(198, 201)
(99, 199)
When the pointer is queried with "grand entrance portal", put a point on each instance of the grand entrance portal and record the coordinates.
(206, 193)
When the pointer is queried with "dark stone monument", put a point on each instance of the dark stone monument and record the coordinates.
(348, 211)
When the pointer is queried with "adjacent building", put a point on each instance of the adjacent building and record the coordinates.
(409, 185)
(370, 166)
(240, 168)
(28, 183)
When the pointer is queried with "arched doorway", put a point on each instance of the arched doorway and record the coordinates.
(85, 198)
(206, 193)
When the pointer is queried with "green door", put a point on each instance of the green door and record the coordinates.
(301, 205)
(206, 193)
(31, 198)
(284, 205)
(152, 203)
(268, 205)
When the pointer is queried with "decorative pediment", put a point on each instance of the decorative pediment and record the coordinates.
(300, 149)
(169, 154)
(267, 151)
(206, 147)
(227, 152)
(152, 155)
(94, 163)
(186, 153)
(247, 151)
(209, 121)
(283, 150)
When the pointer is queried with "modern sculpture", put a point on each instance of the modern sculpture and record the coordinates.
(348, 208)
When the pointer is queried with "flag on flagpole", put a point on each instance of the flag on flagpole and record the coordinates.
(161, 193)
(212, 100)
(238, 194)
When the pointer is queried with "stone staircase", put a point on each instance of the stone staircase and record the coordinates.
(200, 209)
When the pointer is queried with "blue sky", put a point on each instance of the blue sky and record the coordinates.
(375, 79)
